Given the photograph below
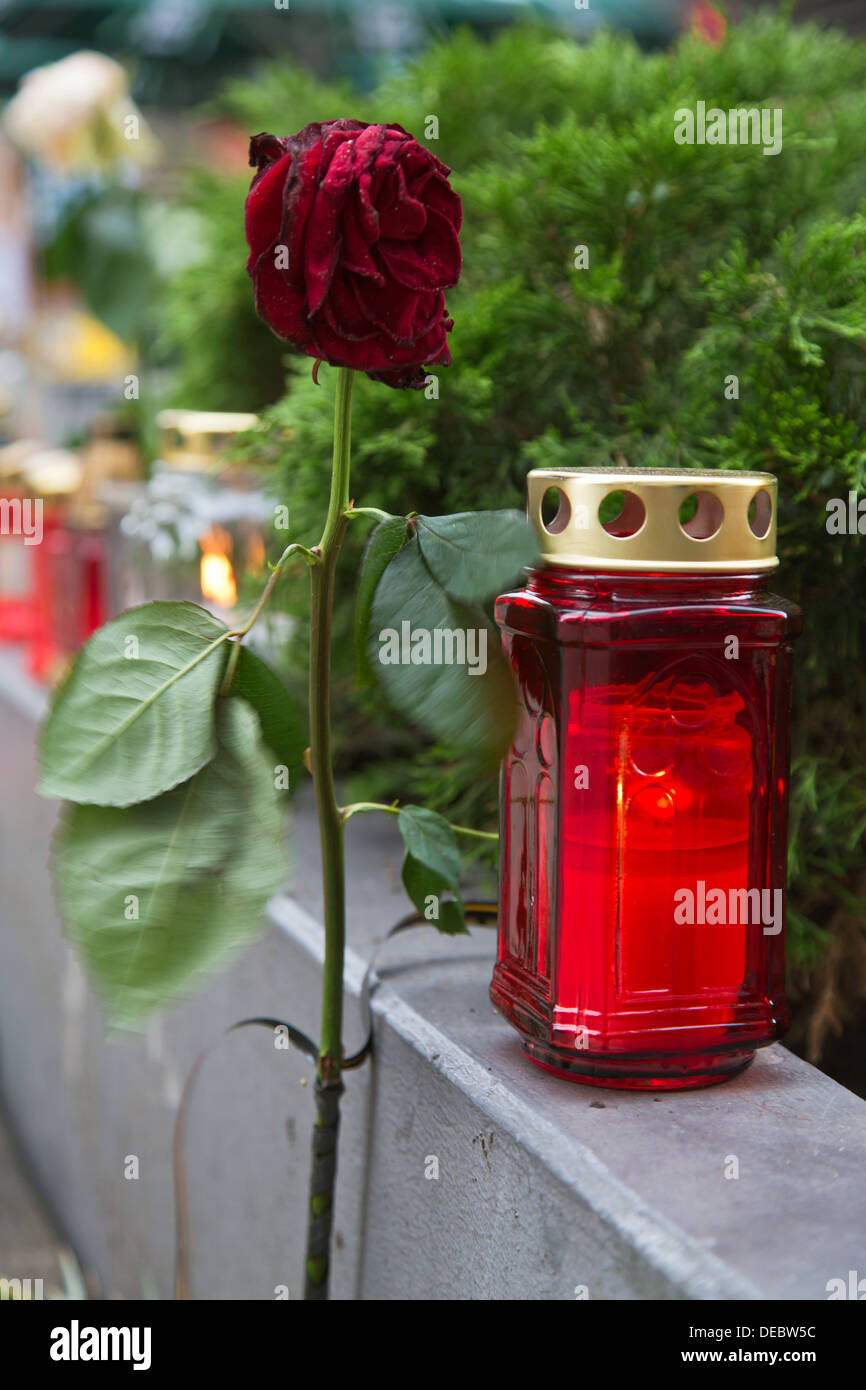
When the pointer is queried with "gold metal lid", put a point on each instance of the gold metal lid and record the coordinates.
(729, 525)
(196, 439)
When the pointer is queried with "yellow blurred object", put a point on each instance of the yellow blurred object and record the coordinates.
(109, 456)
(71, 345)
(53, 473)
(15, 456)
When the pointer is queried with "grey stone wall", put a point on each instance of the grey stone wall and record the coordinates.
(545, 1190)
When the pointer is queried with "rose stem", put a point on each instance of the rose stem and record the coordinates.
(329, 1085)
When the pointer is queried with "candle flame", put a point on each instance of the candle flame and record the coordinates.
(217, 576)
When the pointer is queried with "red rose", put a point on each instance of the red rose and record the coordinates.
(352, 231)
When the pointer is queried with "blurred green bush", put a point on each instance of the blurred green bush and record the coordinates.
(704, 261)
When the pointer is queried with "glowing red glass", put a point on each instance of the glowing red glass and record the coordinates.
(644, 807)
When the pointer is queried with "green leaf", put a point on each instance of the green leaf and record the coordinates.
(134, 717)
(432, 864)
(430, 839)
(281, 722)
(385, 541)
(154, 894)
(476, 554)
(469, 700)
(425, 890)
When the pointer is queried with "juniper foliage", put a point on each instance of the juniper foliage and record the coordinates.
(704, 262)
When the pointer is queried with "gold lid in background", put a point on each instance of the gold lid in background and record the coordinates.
(197, 439)
(647, 533)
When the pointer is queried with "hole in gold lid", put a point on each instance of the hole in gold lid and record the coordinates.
(701, 515)
(555, 511)
(760, 514)
(622, 513)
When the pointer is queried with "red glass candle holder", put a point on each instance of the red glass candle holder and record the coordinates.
(644, 799)
(16, 568)
(53, 590)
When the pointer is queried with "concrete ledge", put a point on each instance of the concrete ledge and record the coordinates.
(545, 1190)
(546, 1186)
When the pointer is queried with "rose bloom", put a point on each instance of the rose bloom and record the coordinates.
(353, 240)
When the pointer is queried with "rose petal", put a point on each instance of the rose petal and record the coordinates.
(418, 161)
(401, 217)
(355, 253)
(263, 210)
(367, 147)
(381, 353)
(265, 149)
(322, 238)
(431, 262)
(282, 307)
(386, 161)
(343, 313)
(298, 200)
(439, 195)
(404, 315)
(433, 352)
(414, 378)
(403, 379)
(346, 352)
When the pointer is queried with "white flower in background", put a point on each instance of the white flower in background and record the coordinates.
(77, 117)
